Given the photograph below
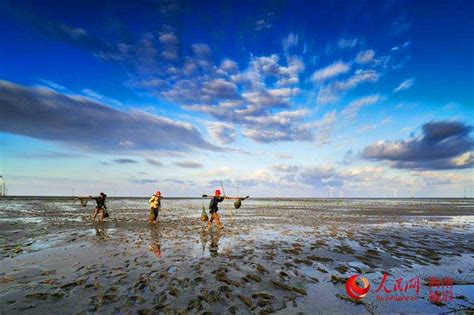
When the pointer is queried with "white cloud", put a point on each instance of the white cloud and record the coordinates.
(290, 41)
(361, 171)
(331, 92)
(282, 126)
(266, 134)
(188, 164)
(75, 33)
(347, 42)
(168, 38)
(351, 111)
(147, 84)
(289, 74)
(154, 162)
(370, 127)
(326, 95)
(169, 41)
(284, 156)
(262, 24)
(222, 133)
(54, 86)
(126, 143)
(324, 127)
(284, 92)
(218, 172)
(443, 145)
(266, 65)
(365, 57)
(405, 85)
(286, 168)
(201, 50)
(330, 71)
(359, 77)
(223, 91)
(220, 89)
(442, 178)
(229, 66)
(400, 25)
(93, 95)
(320, 175)
(76, 121)
(250, 98)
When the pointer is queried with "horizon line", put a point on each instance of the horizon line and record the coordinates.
(260, 197)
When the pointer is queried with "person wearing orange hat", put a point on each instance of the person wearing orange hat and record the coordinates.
(155, 206)
(213, 208)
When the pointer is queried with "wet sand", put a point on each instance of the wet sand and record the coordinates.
(273, 256)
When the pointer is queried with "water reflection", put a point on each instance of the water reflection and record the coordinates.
(203, 239)
(214, 246)
(101, 233)
(155, 241)
(213, 238)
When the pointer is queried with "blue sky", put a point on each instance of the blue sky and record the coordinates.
(353, 99)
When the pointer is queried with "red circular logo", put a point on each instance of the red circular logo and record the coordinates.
(353, 289)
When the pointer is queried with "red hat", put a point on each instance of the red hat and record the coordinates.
(158, 192)
(217, 192)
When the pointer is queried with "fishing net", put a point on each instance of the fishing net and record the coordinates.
(204, 217)
(106, 213)
(237, 204)
(83, 202)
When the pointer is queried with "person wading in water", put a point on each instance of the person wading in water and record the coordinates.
(213, 208)
(101, 207)
(155, 206)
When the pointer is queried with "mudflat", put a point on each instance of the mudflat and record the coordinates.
(273, 256)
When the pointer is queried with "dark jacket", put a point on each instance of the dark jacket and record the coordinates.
(100, 202)
(213, 204)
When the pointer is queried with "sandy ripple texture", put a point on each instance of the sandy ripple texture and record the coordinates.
(282, 256)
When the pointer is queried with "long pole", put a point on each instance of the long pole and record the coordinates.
(222, 186)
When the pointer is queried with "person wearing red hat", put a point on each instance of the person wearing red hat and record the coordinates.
(213, 208)
(155, 206)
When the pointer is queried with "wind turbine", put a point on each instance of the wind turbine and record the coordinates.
(331, 188)
(3, 187)
(394, 192)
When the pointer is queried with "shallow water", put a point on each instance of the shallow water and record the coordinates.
(53, 256)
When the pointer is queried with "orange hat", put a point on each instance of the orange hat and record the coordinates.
(158, 193)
